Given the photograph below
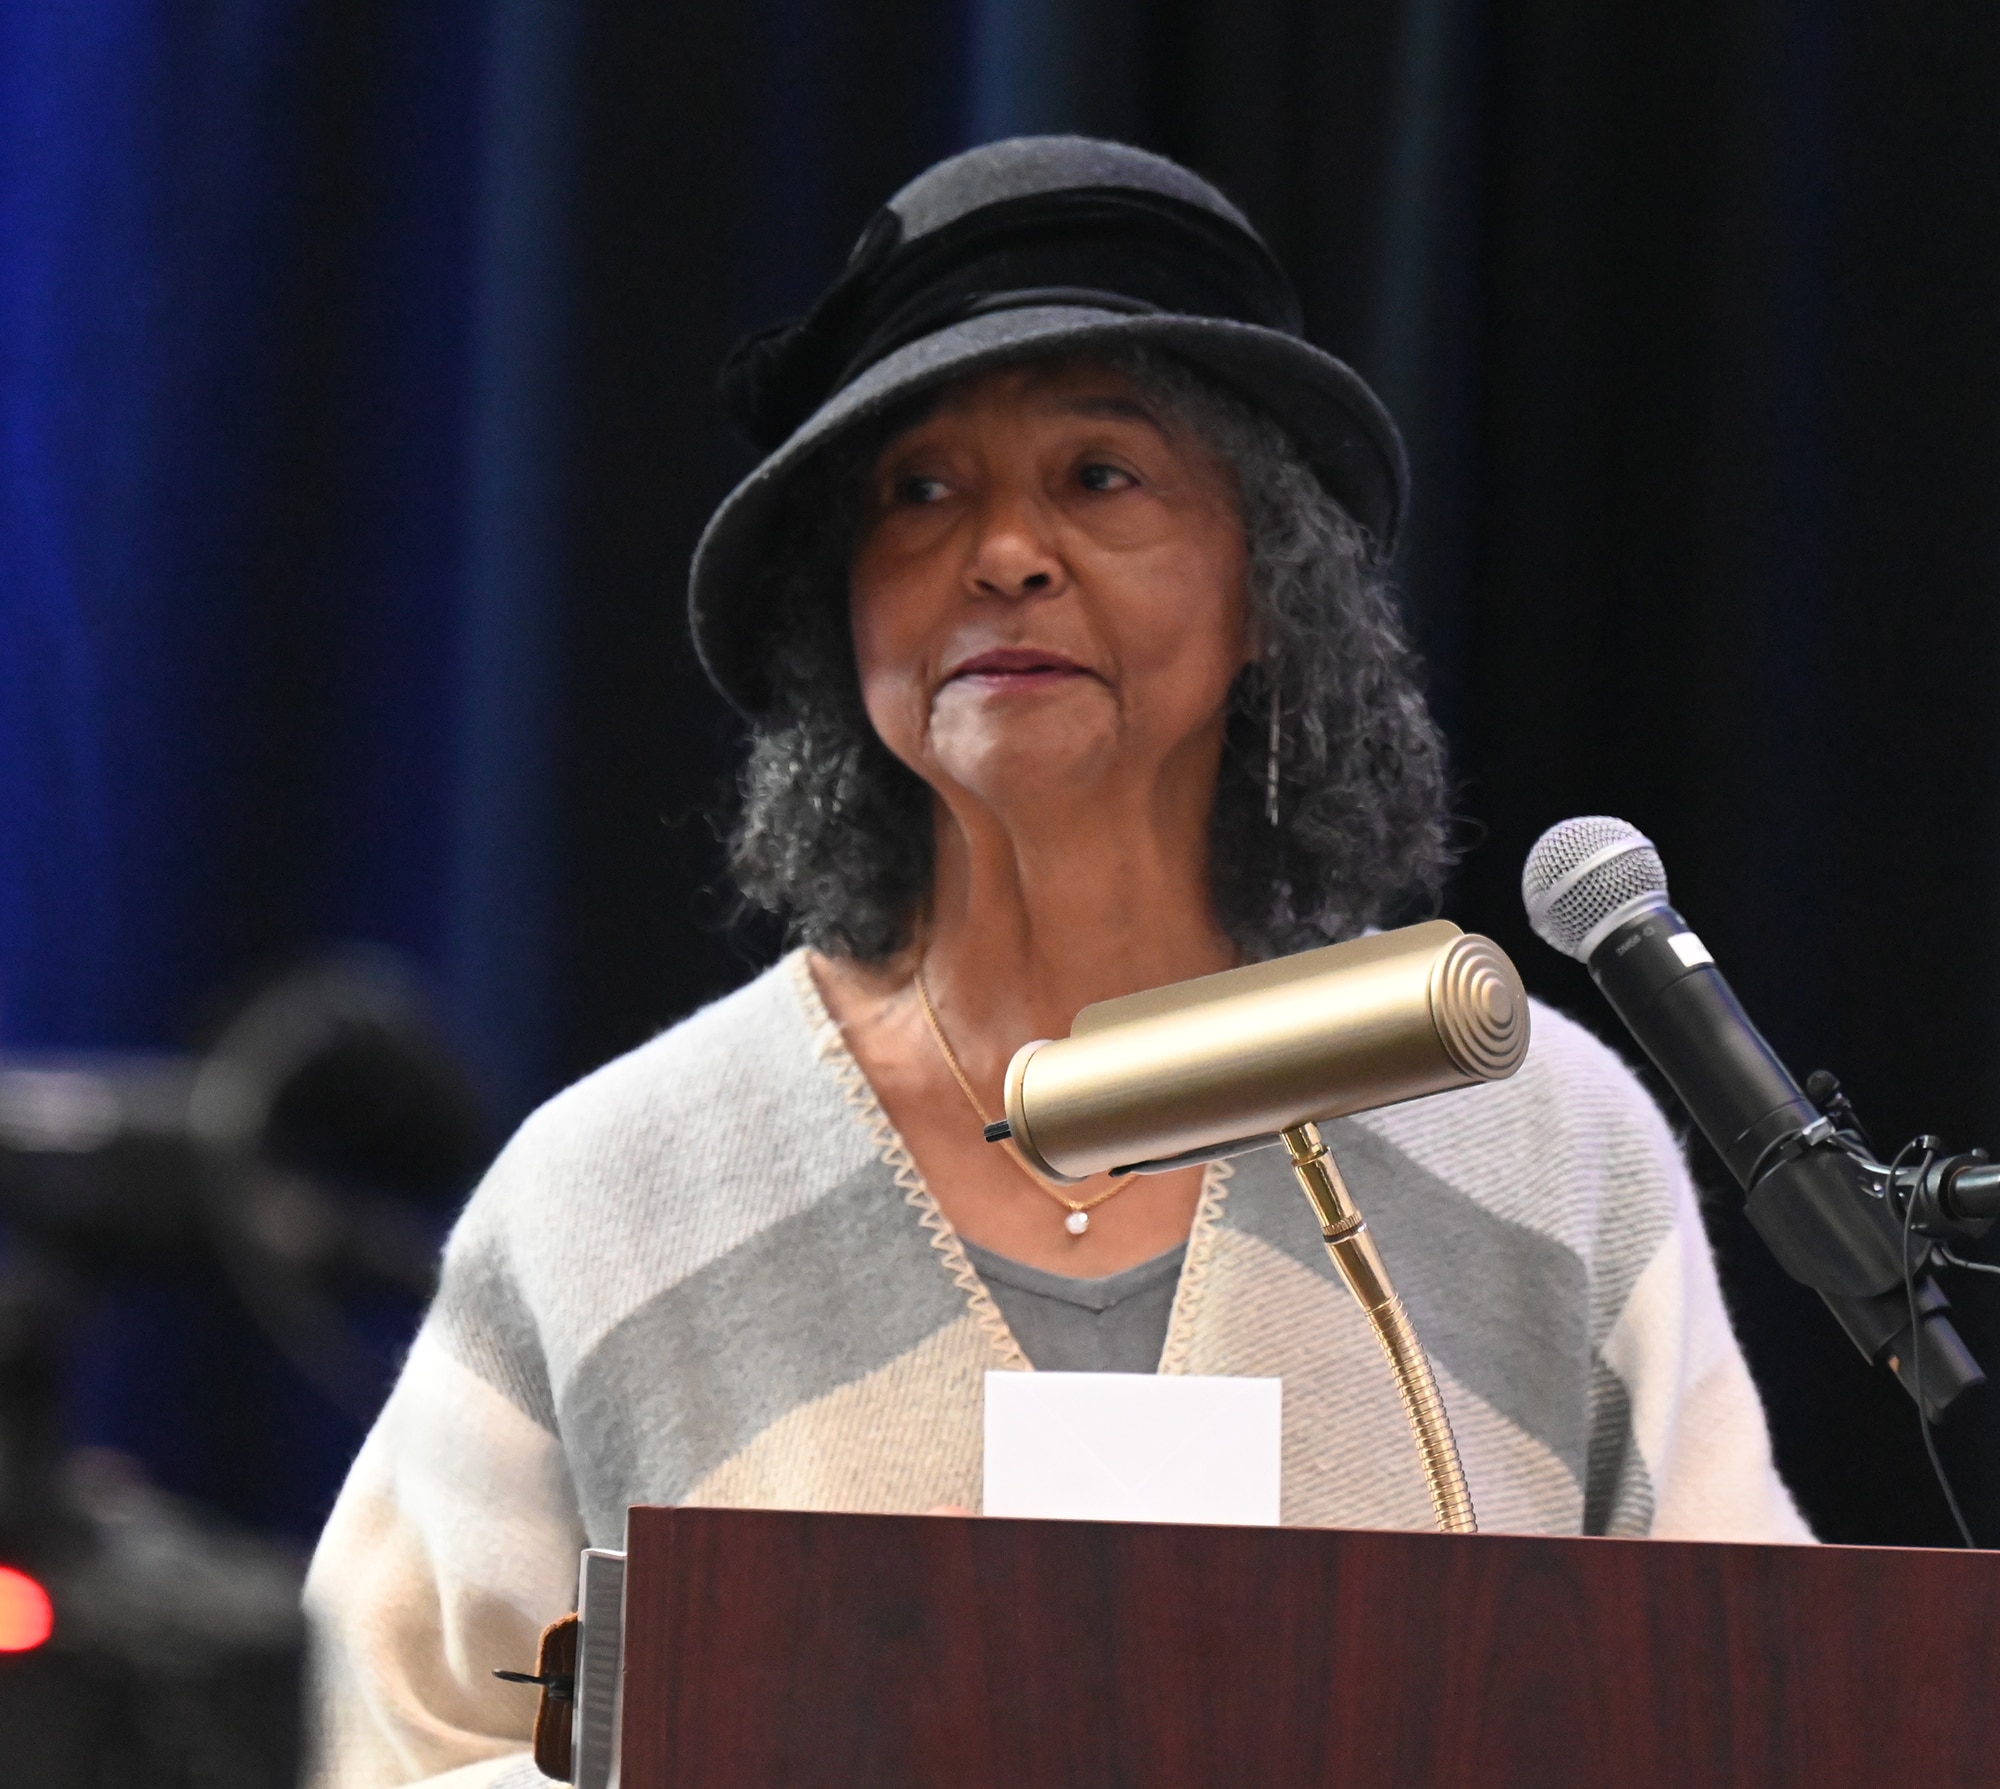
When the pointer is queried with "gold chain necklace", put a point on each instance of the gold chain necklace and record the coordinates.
(1079, 1210)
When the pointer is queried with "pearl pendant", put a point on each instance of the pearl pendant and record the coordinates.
(1077, 1222)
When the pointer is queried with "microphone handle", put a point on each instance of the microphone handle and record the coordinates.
(1811, 1206)
(1661, 980)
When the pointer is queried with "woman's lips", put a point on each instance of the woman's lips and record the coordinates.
(1015, 667)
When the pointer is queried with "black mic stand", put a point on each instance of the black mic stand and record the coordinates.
(1836, 1219)
(1802, 1205)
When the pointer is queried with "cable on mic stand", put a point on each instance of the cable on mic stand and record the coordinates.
(1930, 1146)
(1943, 1195)
(1925, 1201)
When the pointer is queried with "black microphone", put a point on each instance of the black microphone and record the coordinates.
(1596, 890)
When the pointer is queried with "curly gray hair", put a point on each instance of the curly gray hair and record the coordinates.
(834, 832)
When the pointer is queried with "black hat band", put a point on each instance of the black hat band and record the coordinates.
(1110, 248)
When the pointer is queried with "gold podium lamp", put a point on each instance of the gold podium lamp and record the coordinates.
(1257, 1056)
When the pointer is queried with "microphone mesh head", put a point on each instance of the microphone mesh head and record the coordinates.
(1584, 876)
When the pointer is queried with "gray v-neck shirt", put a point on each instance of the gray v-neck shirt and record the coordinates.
(1117, 1324)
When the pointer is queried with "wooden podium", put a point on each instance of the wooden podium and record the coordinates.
(870, 1652)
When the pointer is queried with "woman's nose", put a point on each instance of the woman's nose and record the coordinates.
(1012, 557)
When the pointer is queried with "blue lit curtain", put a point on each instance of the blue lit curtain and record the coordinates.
(282, 306)
(283, 335)
(355, 407)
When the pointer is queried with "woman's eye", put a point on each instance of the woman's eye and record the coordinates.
(914, 487)
(1099, 476)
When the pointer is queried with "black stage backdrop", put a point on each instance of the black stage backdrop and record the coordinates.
(409, 339)
(1689, 318)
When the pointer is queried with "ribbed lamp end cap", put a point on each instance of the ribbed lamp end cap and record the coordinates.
(1480, 1008)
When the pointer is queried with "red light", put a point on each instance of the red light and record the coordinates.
(26, 1614)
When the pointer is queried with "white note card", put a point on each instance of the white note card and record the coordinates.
(1133, 1447)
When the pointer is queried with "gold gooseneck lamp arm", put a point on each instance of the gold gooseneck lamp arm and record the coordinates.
(1258, 1056)
(1354, 1254)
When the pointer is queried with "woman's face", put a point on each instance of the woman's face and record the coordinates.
(1049, 599)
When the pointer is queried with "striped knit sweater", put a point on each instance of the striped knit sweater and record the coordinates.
(710, 1273)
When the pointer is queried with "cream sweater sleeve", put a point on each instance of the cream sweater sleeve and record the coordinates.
(1697, 1421)
(453, 1543)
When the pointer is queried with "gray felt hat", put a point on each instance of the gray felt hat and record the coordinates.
(1034, 246)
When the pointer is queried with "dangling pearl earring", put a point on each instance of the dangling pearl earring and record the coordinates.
(1271, 759)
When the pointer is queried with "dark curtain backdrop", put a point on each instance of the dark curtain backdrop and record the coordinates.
(358, 423)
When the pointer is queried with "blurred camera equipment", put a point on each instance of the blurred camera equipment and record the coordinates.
(309, 1153)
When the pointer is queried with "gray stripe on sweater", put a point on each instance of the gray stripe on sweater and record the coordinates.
(1618, 1490)
(482, 1322)
(814, 1302)
(1465, 1276)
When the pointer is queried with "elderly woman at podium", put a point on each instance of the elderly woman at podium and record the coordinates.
(1059, 614)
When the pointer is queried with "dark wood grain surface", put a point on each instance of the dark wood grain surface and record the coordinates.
(765, 1647)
